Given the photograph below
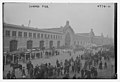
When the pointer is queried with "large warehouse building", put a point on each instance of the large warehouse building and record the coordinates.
(18, 37)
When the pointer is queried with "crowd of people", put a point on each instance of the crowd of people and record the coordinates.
(64, 69)
(11, 75)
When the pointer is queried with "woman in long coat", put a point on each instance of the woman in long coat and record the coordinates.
(100, 65)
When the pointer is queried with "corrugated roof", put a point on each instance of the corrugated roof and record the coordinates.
(53, 30)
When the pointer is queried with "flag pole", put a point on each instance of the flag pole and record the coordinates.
(29, 23)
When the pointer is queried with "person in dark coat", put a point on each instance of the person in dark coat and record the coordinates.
(95, 73)
(42, 73)
(100, 65)
(82, 73)
(28, 66)
(92, 71)
(61, 67)
(23, 72)
(87, 74)
(74, 77)
(105, 65)
(73, 64)
(78, 67)
(9, 75)
(66, 76)
(13, 75)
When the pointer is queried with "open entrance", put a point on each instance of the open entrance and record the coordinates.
(29, 44)
(13, 45)
(41, 44)
(51, 44)
(67, 39)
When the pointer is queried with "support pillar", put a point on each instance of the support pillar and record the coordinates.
(30, 55)
(13, 58)
(41, 54)
(25, 57)
(35, 55)
(18, 57)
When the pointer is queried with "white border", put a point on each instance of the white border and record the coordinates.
(62, 1)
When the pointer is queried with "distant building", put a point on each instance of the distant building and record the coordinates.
(21, 37)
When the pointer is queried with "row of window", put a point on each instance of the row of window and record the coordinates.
(30, 35)
(82, 42)
(14, 44)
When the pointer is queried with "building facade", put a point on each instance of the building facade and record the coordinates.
(17, 37)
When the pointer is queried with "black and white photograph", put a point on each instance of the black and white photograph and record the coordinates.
(59, 40)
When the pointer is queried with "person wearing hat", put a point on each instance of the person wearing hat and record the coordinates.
(23, 72)
(9, 75)
(13, 75)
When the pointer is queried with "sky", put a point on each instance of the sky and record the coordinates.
(82, 17)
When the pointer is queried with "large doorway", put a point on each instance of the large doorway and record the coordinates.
(13, 45)
(58, 44)
(50, 44)
(41, 44)
(29, 44)
(67, 39)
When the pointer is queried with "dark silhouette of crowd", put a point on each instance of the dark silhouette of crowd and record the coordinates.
(63, 69)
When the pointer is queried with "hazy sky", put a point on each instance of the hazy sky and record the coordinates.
(82, 16)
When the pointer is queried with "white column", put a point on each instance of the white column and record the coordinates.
(35, 55)
(18, 57)
(30, 55)
(25, 57)
(41, 54)
(13, 58)
(47, 44)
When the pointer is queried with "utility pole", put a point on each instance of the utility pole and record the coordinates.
(29, 23)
